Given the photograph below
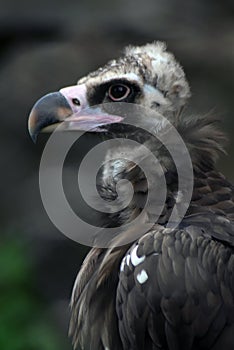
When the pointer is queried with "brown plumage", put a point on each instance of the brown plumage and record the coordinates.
(170, 289)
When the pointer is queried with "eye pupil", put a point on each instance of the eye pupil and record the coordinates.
(118, 92)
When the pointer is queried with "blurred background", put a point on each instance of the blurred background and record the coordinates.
(48, 44)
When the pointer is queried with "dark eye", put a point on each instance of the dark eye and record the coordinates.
(118, 92)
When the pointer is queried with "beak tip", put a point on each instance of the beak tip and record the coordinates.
(33, 137)
(50, 109)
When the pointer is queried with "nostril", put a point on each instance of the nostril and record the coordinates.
(76, 102)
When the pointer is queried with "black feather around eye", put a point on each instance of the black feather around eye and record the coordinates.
(100, 93)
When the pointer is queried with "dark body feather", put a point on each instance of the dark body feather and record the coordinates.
(187, 301)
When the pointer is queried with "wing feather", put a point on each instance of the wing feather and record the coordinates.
(187, 299)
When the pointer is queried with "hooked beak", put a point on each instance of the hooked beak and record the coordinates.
(69, 107)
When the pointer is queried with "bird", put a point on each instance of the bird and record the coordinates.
(170, 288)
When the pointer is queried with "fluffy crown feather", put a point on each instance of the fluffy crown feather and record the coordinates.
(163, 70)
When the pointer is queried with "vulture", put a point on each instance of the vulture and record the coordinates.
(171, 287)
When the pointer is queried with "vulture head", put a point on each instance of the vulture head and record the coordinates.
(146, 75)
(153, 292)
